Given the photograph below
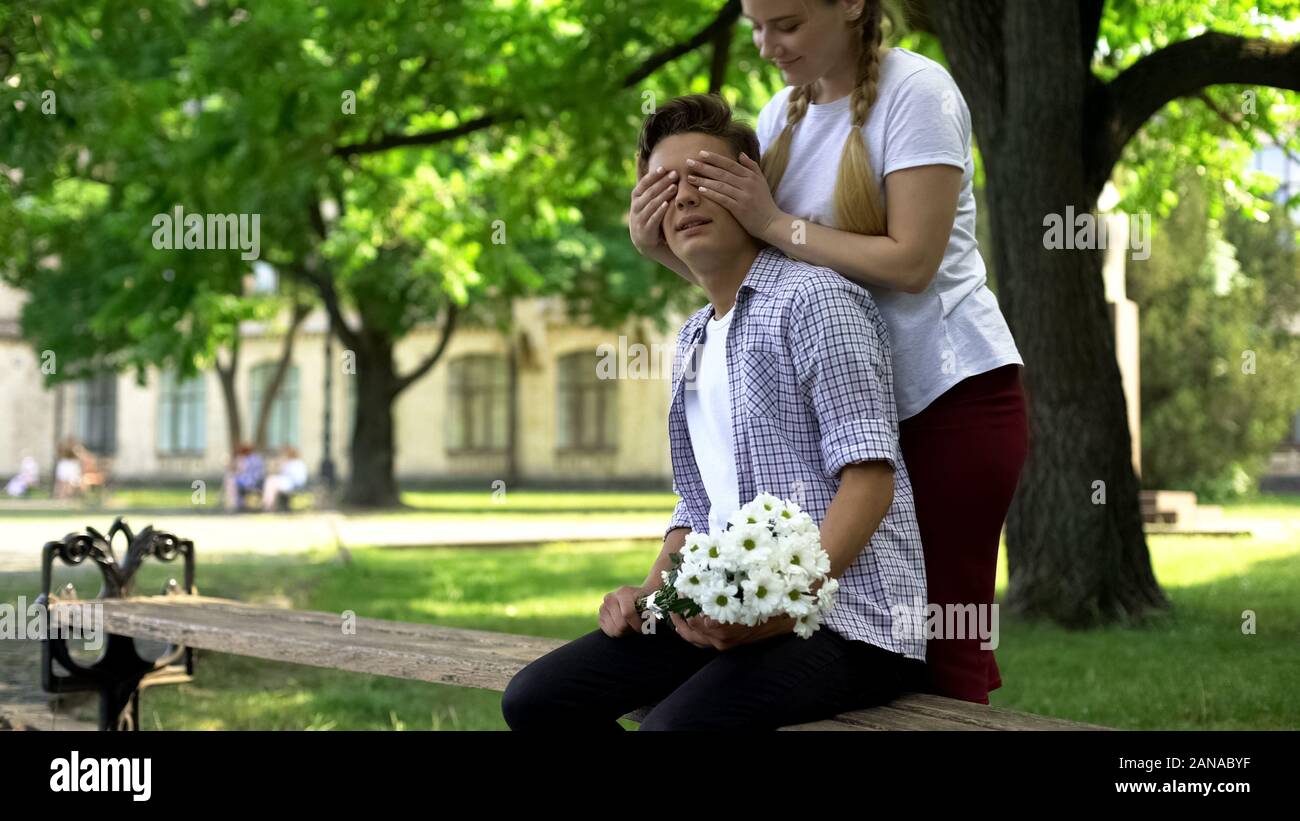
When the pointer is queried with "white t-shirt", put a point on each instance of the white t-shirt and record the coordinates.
(68, 471)
(708, 420)
(295, 471)
(954, 329)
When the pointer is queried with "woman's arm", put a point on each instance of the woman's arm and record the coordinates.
(921, 204)
(650, 202)
(664, 255)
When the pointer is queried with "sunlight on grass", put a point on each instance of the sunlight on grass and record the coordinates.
(1182, 561)
(1190, 668)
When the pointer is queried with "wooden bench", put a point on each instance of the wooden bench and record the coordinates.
(449, 655)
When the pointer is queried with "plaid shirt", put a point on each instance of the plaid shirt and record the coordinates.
(811, 382)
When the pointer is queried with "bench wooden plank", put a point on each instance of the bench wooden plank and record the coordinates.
(443, 655)
(923, 711)
(454, 655)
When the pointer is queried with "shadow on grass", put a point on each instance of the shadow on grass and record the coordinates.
(1192, 668)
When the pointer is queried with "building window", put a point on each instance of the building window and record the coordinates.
(587, 416)
(282, 426)
(97, 414)
(477, 403)
(182, 415)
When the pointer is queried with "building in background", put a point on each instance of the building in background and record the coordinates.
(454, 425)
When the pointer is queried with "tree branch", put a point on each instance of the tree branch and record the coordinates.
(324, 285)
(1181, 70)
(1238, 120)
(721, 57)
(448, 325)
(323, 280)
(725, 19)
(272, 389)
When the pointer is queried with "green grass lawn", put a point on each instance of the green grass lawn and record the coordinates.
(1192, 668)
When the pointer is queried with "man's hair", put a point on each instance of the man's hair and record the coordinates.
(694, 114)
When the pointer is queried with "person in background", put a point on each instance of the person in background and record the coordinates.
(67, 471)
(246, 474)
(29, 474)
(291, 477)
(92, 476)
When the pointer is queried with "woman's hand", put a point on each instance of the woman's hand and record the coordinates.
(740, 187)
(706, 633)
(645, 218)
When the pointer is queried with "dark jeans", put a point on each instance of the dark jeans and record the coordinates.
(589, 683)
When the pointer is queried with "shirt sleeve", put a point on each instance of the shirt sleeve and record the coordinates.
(680, 518)
(844, 373)
(928, 123)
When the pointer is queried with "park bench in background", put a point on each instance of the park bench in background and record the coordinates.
(314, 489)
(1177, 512)
(423, 652)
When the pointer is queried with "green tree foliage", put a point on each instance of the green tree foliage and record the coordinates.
(1220, 356)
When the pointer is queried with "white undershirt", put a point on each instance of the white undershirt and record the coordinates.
(708, 420)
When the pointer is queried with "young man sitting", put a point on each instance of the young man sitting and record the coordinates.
(781, 384)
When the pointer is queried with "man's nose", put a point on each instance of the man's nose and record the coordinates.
(687, 194)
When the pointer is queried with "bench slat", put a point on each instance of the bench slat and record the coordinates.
(454, 655)
(443, 655)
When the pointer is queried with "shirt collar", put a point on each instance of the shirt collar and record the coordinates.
(763, 277)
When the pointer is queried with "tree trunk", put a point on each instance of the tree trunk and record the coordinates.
(1072, 557)
(228, 395)
(298, 313)
(1075, 546)
(371, 481)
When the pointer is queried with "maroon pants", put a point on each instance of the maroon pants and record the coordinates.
(963, 454)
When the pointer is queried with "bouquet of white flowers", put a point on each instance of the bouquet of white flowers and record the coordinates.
(763, 565)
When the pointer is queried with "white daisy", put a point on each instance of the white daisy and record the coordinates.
(826, 594)
(805, 626)
(763, 591)
(719, 602)
(751, 544)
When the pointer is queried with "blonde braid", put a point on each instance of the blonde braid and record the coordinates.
(859, 206)
(777, 157)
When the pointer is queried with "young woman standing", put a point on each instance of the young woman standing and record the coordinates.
(866, 169)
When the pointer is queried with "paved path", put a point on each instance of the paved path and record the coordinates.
(21, 537)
